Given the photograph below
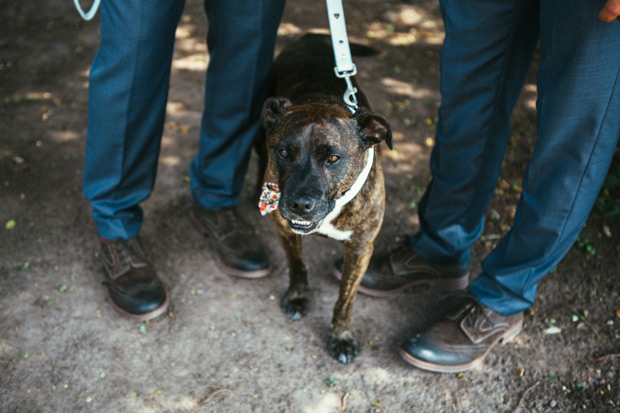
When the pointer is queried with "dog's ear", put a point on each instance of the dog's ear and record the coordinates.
(273, 110)
(373, 128)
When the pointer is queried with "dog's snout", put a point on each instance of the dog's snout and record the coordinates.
(302, 205)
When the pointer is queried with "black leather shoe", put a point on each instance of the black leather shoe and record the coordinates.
(462, 338)
(404, 269)
(238, 251)
(134, 288)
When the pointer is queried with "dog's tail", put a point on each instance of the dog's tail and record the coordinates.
(357, 49)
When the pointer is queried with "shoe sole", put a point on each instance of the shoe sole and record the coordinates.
(508, 336)
(447, 285)
(218, 262)
(143, 317)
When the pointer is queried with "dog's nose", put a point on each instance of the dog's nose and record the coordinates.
(302, 205)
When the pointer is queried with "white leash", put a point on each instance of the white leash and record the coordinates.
(345, 68)
(91, 13)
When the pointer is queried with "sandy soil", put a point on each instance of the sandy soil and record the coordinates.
(225, 346)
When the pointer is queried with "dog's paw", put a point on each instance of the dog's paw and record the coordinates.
(342, 349)
(294, 308)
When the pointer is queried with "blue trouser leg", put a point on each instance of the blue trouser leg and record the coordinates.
(128, 90)
(241, 41)
(128, 94)
(578, 125)
(578, 111)
(482, 73)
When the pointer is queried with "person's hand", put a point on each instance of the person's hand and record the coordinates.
(611, 11)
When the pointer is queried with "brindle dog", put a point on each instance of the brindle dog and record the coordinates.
(320, 154)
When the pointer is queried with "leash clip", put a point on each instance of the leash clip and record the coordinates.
(349, 94)
(345, 68)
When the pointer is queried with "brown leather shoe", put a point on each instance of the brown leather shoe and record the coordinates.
(404, 269)
(134, 288)
(238, 251)
(463, 338)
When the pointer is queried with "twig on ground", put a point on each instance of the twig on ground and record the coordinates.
(210, 396)
(343, 405)
(529, 389)
(589, 324)
(604, 356)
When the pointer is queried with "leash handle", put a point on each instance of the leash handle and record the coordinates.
(91, 13)
(345, 68)
(340, 42)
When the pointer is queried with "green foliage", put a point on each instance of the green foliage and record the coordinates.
(331, 381)
(586, 245)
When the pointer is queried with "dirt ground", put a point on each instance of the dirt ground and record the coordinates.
(225, 346)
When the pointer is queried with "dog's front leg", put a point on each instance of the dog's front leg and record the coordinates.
(342, 344)
(295, 301)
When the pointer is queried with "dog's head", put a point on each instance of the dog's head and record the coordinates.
(316, 151)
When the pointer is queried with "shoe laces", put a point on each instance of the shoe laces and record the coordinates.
(473, 309)
(233, 220)
(124, 254)
(476, 313)
(225, 222)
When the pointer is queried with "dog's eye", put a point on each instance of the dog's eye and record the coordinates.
(333, 159)
(283, 153)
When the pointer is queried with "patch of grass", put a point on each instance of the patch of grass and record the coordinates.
(331, 381)
(586, 245)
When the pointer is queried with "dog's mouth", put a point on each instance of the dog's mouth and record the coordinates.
(302, 227)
